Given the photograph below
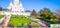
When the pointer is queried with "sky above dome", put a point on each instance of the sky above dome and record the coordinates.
(34, 4)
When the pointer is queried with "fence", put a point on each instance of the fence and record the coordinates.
(28, 26)
(23, 27)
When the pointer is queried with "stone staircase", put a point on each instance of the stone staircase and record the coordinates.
(4, 21)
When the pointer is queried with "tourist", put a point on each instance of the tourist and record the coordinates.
(22, 25)
(29, 25)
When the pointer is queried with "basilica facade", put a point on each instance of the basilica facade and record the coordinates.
(16, 8)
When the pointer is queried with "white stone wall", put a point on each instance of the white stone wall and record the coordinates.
(15, 13)
(4, 13)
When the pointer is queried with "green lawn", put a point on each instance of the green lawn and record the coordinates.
(17, 20)
(1, 16)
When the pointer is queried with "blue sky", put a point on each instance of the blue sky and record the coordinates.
(34, 4)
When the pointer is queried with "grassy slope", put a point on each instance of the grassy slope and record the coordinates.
(1, 16)
(18, 20)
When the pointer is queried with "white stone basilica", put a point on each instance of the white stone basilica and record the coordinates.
(16, 8)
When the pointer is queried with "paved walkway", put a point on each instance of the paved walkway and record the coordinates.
(39, 22)
(4, 21)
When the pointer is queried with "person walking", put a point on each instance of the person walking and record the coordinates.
(29, 25)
